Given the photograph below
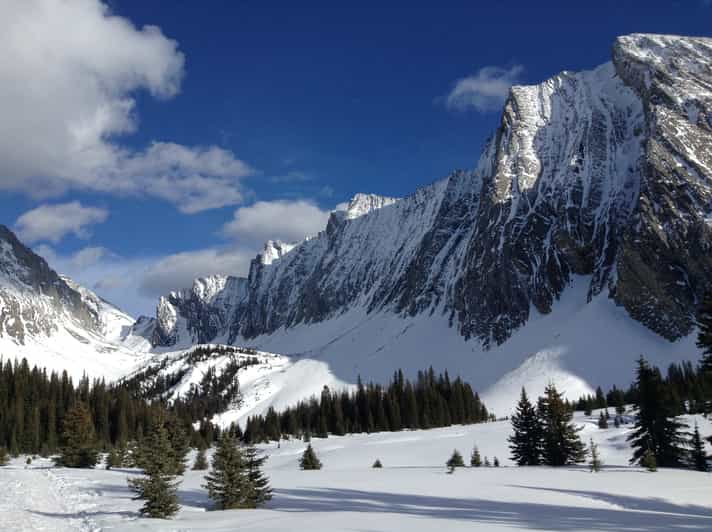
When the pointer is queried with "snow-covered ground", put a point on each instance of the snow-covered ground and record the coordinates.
(412, 492)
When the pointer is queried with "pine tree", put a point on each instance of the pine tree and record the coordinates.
(698, 457)
(78, 436)
(309, 460)
(648, 460)
(526, 441)
(656, 429)
(201, 462)
(259, 491)
(595, 463)
(495, 462)
(475, 459)
(4, 458)
(377, 464)
(227, 483)
(562, 445)
(602, 421)
(158, 488)
(454, 461)
(487, 462)
(180, 445)
(113, 459)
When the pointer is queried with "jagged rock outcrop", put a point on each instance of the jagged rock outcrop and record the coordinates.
(605, 173)
(200, 314)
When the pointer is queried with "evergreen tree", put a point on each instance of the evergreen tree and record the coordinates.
(487, 462)
(495, 462)
(454, 461)
(656, 429)
(602, 421)
(561, 442)
(595, 464)
(698, 457)
(475, 459)
(201, 462)
(526, 441)
(309, 460)
(227, 483)
(113, 459)
(180, 445)
(377, 464)
(259, 490)
(79, 444)
(158, 487)
(648, 460)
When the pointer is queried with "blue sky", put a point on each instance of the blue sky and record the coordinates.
(176, 150)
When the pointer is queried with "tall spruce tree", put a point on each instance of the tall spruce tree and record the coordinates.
(259, 489)
(656, 429)
(158, 487)
(227, 483)
(561, 442)
(78, 439)
(698, 456)
(526, 441)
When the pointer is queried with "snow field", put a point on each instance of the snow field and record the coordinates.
(412, 492)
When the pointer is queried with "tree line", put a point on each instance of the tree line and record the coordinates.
(34, 406)
(428, 402)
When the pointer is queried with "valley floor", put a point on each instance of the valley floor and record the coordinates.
(412, 492)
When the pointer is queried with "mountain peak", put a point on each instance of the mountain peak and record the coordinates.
(362, 204)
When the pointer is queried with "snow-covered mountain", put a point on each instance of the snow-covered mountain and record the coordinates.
(580, 240)
(596, 188)
(54, 322)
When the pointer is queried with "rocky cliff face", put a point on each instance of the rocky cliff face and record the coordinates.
(34, 300)
(200, 314)
(605, 173)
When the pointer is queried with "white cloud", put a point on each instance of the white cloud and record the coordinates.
(284, 220)
(53, 222)
(68, 74)
(179, 270)
(484, 91)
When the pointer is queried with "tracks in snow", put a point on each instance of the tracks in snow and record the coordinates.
(41, 499)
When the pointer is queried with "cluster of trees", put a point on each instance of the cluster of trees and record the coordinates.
(456, 460)
(216, 391)
(545, 433)
(34, 406)
(431, 401)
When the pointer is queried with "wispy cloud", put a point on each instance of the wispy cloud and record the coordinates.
(483, 91)
(53, 222)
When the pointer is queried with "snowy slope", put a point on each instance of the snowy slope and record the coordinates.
(411, 492)
(55, 323)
